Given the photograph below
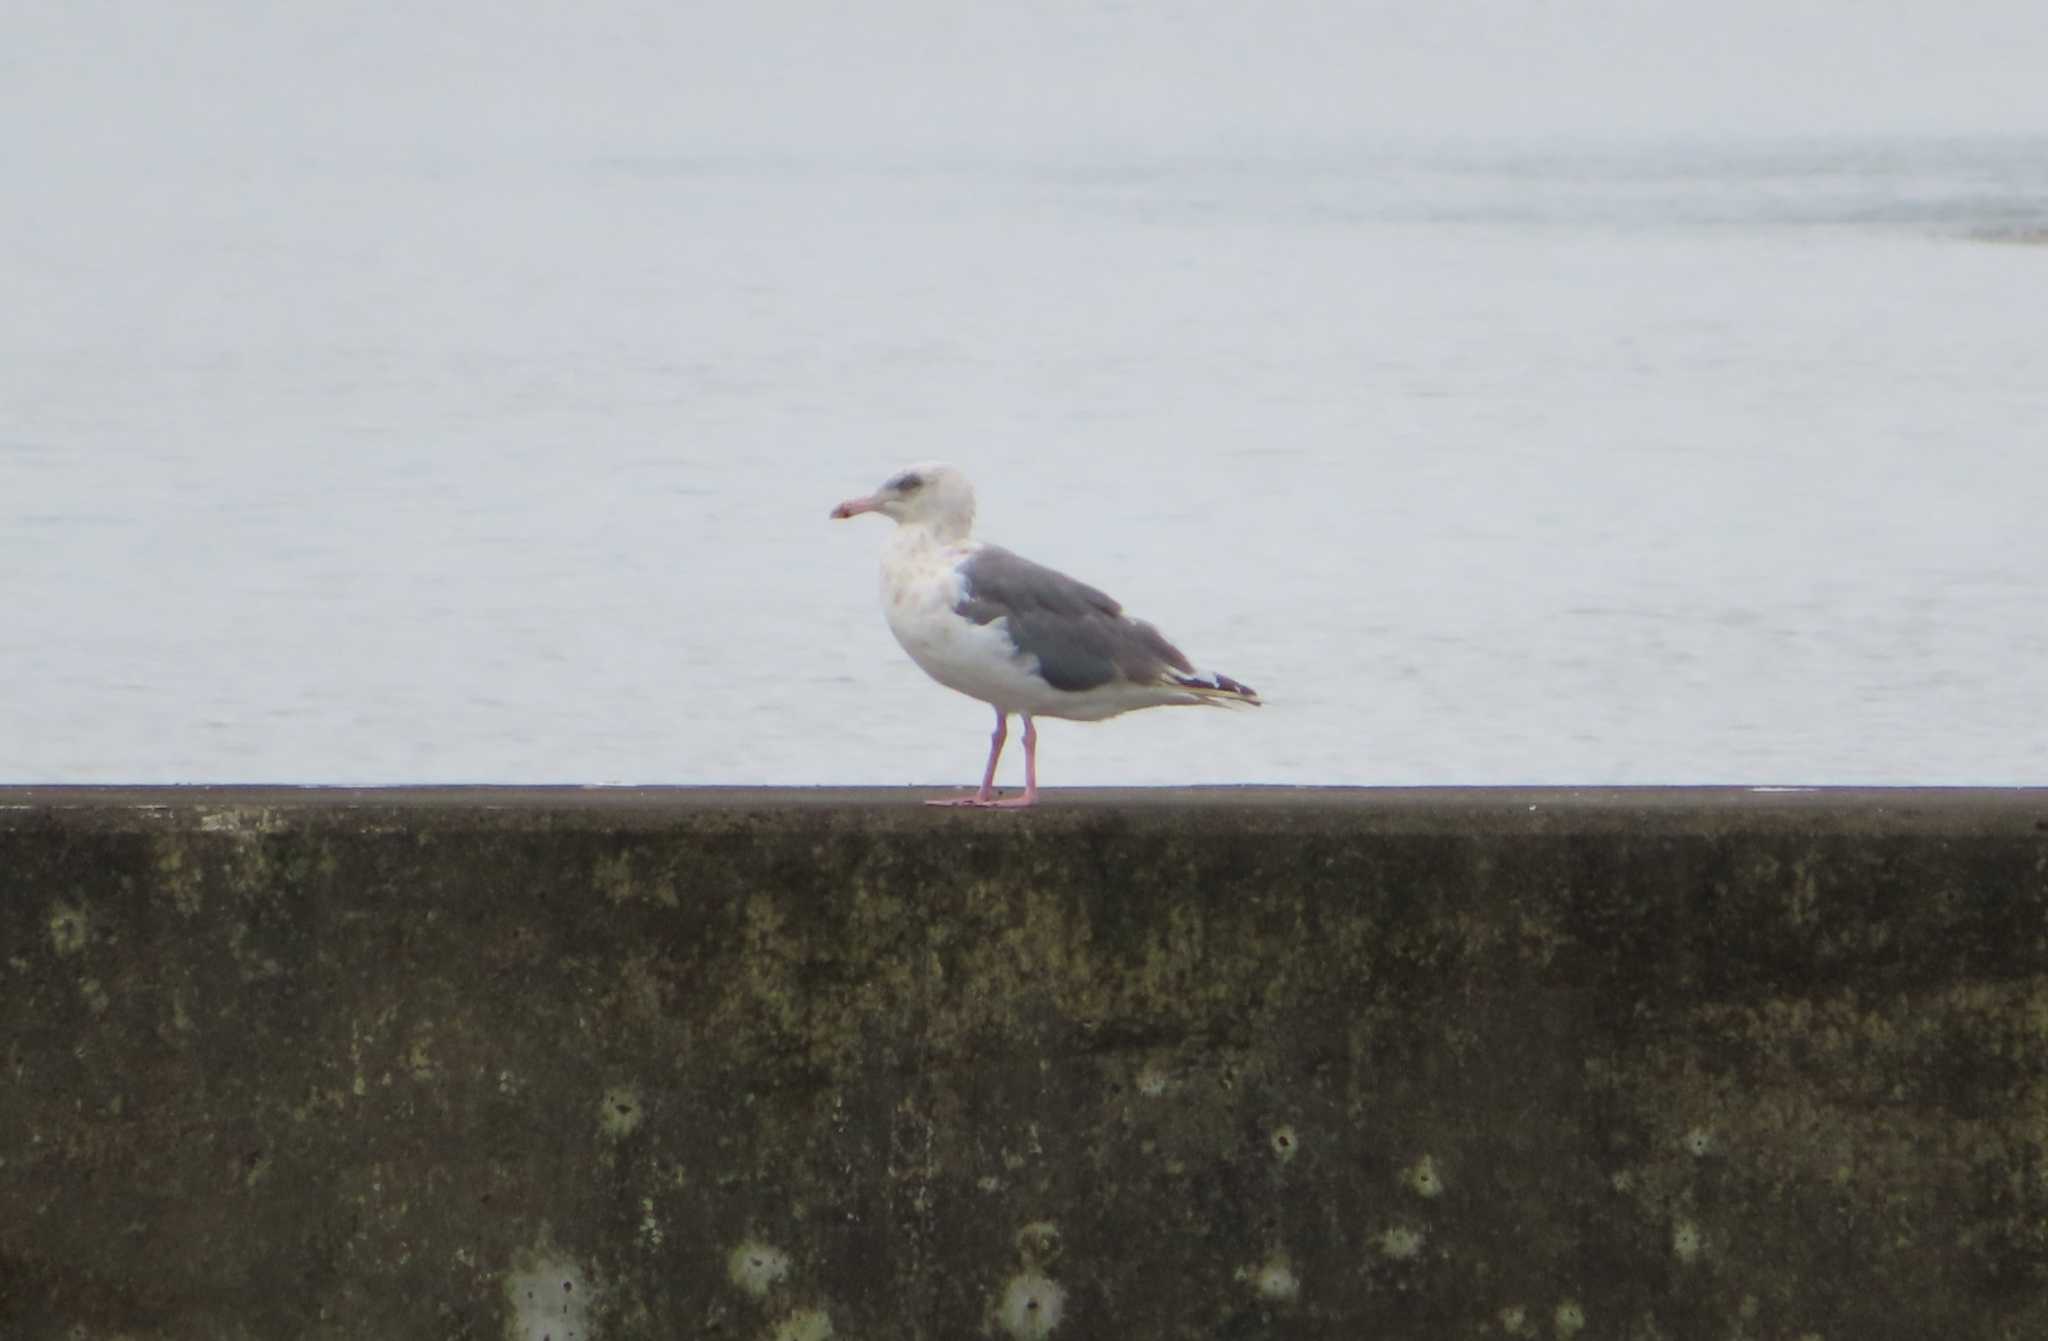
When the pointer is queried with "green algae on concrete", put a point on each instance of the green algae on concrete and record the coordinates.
(1214, 1064)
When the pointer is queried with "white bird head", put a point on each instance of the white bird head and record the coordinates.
(931, 494)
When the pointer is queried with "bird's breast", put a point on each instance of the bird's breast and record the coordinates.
(918, 604)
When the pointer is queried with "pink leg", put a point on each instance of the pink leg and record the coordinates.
(1030, 796)
(987, 795)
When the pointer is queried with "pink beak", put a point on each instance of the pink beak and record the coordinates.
(853, 507)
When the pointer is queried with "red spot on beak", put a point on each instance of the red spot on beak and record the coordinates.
(853, 507)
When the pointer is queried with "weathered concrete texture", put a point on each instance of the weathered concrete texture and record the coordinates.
(1163, 1065)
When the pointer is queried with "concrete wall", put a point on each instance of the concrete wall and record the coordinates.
(1178, 1065)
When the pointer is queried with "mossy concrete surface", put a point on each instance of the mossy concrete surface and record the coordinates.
(832, 1064)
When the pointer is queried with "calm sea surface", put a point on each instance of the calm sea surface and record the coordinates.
(1485, 464)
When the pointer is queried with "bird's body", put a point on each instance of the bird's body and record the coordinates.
(1015, 634)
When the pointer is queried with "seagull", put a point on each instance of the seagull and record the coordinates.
(1015, 634)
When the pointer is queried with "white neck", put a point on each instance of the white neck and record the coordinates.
(912, 545)
(949, 527)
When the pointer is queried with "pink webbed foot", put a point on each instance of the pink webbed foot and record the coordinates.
(1014, 802)
(997, 802)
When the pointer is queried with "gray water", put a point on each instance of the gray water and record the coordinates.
(1486, 461)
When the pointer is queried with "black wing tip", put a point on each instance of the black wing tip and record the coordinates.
(1237, 687)
(1223, 684)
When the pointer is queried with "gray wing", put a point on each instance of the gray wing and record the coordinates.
(1081, 637)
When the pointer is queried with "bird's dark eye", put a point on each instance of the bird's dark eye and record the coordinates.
(907, 483)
